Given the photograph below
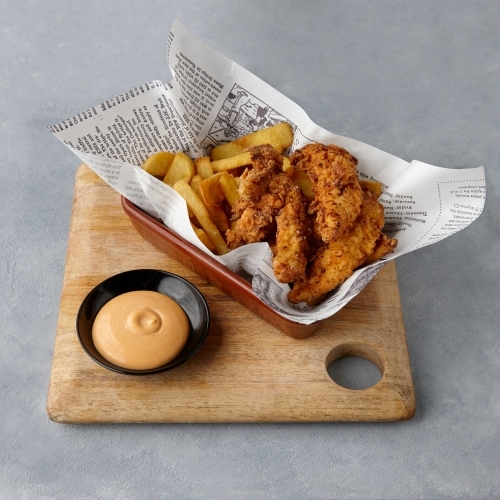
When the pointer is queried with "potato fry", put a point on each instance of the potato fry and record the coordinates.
(288, 168)
(373, 186)
(159, 163)
(229, 188)
(302, 180)
(195, 184)
(226, 150)
(211, 191)
(201, 213)
(203, 237)
(236, 172)
(182, 168)
(279, 136)
(232, 162)
(202, 167)
(219, 217)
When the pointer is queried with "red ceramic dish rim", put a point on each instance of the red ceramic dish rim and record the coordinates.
(209, 268)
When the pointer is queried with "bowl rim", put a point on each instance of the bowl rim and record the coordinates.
(165, 367)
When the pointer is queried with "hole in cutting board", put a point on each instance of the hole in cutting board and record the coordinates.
(354, 366)
(353, 372)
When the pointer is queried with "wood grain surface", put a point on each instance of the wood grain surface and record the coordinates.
(247, 371)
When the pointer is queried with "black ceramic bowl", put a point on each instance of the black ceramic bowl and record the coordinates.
(171, 285)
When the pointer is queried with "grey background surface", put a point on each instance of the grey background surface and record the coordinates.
(417, 79)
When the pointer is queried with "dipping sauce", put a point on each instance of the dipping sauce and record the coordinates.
(140, 330)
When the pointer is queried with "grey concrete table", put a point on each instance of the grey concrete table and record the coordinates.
(419, 80)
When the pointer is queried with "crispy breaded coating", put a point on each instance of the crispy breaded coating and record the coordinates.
(270, 201)
(257, 207)
(383, 246)
(337, 260)
(266, 164)
(337, 193)
(291, 250)
(255, 224)
(317, 246)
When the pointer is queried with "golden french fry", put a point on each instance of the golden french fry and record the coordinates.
(195, 184)
(229, 188)
(373, 186)
(159, 163)
(201, 213)
(302, 180)
(226, 151)
(219, 217)
(236, 172)
(211, 191)
(182, 168)
(202, 167)
(232, 162)
(279, 136)
(204, 238)
(288, 168)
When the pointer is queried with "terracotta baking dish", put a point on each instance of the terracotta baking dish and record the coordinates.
(208, 268)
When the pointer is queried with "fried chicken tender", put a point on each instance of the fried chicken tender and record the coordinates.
(291, 250)
(257, 208)
(266, 164)
(315, 246)
(271, 202)
(256, 223)
(337, 260)
(383, 246)
(337, 193)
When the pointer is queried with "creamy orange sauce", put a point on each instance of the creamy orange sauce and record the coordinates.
(140, 330)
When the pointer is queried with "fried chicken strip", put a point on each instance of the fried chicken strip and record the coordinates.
(337, 193)
(257, 207)
(270, 200)
(291, 250)
(337, 260)
(383, 246)
(266, 164)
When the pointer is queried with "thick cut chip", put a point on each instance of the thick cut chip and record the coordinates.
(226, 150)
(203, 237)
(279, 136)
(201, 213)
(195, 184)
(219, 217)
(229, 187)
(202, 167)
(302, 180)
(182, 168)
(288, 168)
(211, 192)
(236, 172)
(373, 187)
(232, 162)
(159, 163)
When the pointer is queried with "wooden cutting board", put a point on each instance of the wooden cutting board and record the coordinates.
(247, 371)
